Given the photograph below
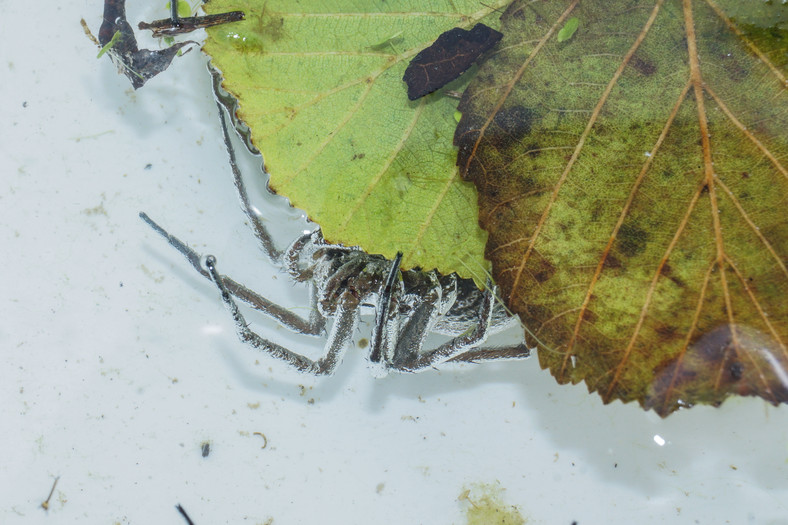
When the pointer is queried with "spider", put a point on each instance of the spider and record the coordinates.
(408, 305)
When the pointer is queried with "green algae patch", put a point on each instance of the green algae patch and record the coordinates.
(484, 505)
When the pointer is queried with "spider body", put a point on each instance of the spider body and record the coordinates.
(408, 305)
(334, 269)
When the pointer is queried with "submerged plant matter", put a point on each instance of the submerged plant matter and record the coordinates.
(116, 37)
(633, 183)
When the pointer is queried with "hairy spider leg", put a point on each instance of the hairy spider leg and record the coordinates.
(387, 336)
(465, 347)
(176, 20)
(260, 232)
(345, 323)
(395, 348)
(409, 359)
(384, 333)
(421, 322)
(478, 355)
(315, 325)
(287, 258)
(400, 346)
(290, 257)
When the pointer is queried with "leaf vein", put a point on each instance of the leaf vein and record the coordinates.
(688, 339)
(649, 295)
(581, 142)
(622, 216)
(728, 113)
(758, 306)
(756, 230)
(708, 164)
(389, 161)
(750, 44)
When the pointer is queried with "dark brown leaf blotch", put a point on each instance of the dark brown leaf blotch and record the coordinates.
(717, 365)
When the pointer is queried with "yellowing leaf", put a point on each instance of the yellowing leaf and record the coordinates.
(320, 85)
(635, 191)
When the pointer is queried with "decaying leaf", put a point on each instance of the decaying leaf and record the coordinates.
(139, 65)
(320, 85)
(447, 58)
(634, 186)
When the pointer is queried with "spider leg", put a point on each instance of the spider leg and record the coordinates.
(476, 355)
(302, 248)
(260, 231)
(386, 321)
(344, 327)
(288, 258)
(499, 323)
(420, 322)
(464, 343)
(314, 326)
(174, 18)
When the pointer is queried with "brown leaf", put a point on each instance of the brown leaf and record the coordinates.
(633, 183)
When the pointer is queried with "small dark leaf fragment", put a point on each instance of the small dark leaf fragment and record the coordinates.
(139, 65)
(447, 58)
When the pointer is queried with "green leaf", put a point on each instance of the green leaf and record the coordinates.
(184, 9)
(109, 45)
(569, 29)
(634, 187)
(320, 85)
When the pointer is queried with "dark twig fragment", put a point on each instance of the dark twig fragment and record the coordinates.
(183, 513)
(45, 505)
(177, 26)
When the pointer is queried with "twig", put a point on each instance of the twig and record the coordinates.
(45, 505)
(169, 26)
